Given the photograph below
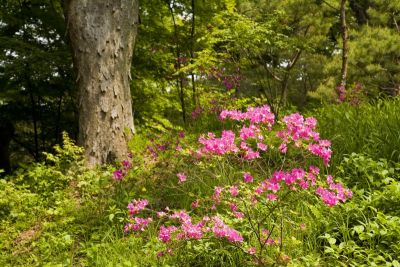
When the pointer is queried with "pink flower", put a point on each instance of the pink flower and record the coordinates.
(283, 148)
(219, 146)
(247, 177)
(194, 231)
(314, 170)
(304, 184)
(244, 146)
(196, 112)
(182, 177)
(164, 233)
(139, 224)
(258, 190)
(118, 175)
(137, 205)
(272, 186)
(234, 191)
(160, 214)
(327, 196)
(233, 207)
(270, 242)
(217, 193)
(322, 151)
(247, 132)
(195, 204)
(262, 147)
(251, 154)
(182, 216)
(266, 232)
(238, 215)
(272, 197)
(252, 250)
(256, 115)
(341, 90)
(220, 229)
(126, 164)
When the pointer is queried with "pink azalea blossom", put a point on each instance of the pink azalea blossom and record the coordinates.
(262, 147)
(252, 250)
(234, 191)
(283, 148)
(126, 164)
(118, 175)
(247, 177)
(272, 197)
(182, 177)
(233, 207)
(238, 215)
(137, 205)
(195, 204)
(164, 233)
(220, 229)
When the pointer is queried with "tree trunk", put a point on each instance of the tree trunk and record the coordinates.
(102, 35)
(179, 82)
(345, 39)
(6, 135)
(192, 42)
(29, 86)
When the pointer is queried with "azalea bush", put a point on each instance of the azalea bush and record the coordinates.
(254, 214)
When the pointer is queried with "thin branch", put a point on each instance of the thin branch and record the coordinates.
(329, 5)
(395, 22)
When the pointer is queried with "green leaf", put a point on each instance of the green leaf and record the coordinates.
(359, 229)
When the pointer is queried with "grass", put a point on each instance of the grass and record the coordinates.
(371, 128)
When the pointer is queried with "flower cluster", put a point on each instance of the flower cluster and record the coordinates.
(164, 234)
(220, 229)
(299, 130)
(137, 223)
(335, 193)
(229, 81)
(219, 146)
(197, 112)
(227, 142)
(255, 115)
(189, 230)
(119, 174)
(341, 91)
(352, 95)
(137, 205)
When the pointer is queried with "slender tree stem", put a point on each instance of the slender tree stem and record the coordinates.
(345, 39)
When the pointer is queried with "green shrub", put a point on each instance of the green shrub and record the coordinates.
(365, 231)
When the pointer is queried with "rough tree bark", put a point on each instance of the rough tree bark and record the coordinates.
(102, 35)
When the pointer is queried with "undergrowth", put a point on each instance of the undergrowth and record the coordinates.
(59, 213)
